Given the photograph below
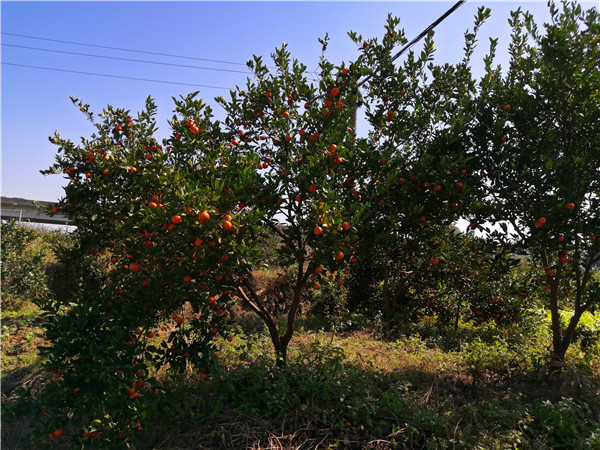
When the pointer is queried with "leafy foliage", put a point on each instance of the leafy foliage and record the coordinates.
(536, 139)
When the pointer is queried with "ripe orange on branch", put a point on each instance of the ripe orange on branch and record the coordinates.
(203, 217)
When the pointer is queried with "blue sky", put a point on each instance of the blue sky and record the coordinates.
(35, 102)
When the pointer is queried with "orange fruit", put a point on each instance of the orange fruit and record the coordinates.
(335, 92)
(134, 267)
(176, 219)
(318, 230)
(312, 189)
(203, 217)
(570, 205)
(339, 256)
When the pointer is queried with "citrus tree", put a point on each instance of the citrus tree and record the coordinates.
(159, 223)
(418, 174)
(297, 133)
(537, 140)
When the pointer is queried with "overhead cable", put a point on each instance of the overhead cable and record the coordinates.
(124, 59)
(421, 35)
(115, 76)
(123, 49)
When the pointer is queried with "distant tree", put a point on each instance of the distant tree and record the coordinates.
(468, 279)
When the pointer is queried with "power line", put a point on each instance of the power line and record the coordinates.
(115, 76)
(124, 59)
(402, 50)
(123, 49)
(421, 35)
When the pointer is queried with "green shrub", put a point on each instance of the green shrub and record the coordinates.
(565, 424)
(26, 253)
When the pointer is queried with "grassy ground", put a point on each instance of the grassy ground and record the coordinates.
(348, 390)
(423, 388)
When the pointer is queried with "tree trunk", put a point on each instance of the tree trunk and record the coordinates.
(558, 353)
(280, 352)
(562, 340)
(388, 310)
